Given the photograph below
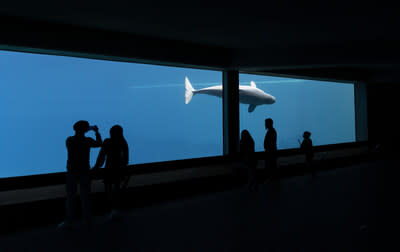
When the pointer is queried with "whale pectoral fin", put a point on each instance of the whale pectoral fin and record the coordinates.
(252, 107)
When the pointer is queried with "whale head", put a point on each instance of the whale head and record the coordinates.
(269, 99)
(273, 99)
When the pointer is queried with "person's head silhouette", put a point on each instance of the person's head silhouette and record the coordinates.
(116, 132)
(268, 123)
(306, 134)
(245, 135)
(81, 127)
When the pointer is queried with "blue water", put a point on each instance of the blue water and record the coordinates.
(326, 109)
(41, 96)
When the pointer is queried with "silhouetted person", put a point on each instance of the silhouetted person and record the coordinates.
(271, 166)
(307, 148)
(78, 166)
(116, 155)
(248, 157)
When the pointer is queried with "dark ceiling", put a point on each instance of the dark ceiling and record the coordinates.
(342, 40)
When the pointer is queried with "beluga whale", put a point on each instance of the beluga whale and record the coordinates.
(247, 94)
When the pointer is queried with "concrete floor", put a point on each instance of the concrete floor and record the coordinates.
(334, 211)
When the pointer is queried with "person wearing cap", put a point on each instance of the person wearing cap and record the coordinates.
(78, 166)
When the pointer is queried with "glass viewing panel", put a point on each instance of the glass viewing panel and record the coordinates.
(42, 96)
(326, 109)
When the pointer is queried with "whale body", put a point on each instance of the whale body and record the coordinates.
(247, 94)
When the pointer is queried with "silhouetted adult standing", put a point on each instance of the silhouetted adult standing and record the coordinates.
(271, 166)
(307, 148)
(116, 155)
(248, 156)
(78, 166)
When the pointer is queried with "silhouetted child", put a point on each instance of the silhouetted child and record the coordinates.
(78, 166)
(248, 157)
(307, 149)
(115, 153)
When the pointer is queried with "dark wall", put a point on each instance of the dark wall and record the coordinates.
(383, 113)
(29, 35)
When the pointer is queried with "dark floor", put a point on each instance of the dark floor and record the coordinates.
(337, 210)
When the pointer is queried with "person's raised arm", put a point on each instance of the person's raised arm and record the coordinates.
(98, 141)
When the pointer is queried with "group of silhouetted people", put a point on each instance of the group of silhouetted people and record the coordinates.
(270, 154)
(114, 152)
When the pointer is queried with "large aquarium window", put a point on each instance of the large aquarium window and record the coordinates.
(42, 96)
(326, 109)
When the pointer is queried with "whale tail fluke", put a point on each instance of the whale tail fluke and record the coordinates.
(188, 91)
